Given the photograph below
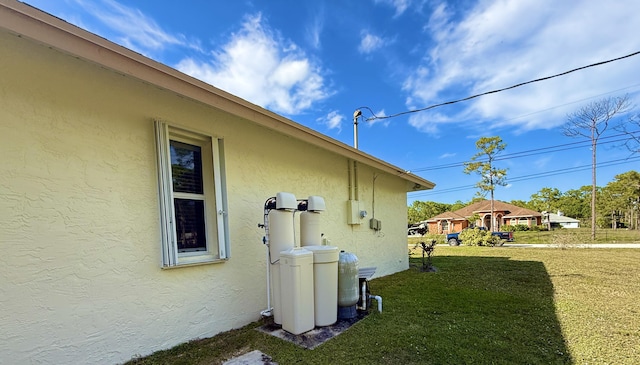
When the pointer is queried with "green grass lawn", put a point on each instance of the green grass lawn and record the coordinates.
(563, 236)
(483, 306)
(579, 235)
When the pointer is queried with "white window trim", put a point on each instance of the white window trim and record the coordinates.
(218, 246)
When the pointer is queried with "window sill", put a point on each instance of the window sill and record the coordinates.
(195, 263)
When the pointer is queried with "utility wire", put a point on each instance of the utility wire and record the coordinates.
(533, 176)
(536, 151)
(537, 176)
(494, 91)
(570, 103)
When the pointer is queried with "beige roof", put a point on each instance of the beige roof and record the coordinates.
(484, 206)
(555, 218)
(446, 216)
(28, 22)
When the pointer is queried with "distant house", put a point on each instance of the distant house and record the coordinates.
(505, 214)
(131, 193)
(559, 220)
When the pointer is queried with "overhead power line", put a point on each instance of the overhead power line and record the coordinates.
(535, 151)
(532, 176)
(495, 91)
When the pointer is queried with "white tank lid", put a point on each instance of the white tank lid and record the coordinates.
(296, 252)
(315, 203)
(286, 201)
(324, 254)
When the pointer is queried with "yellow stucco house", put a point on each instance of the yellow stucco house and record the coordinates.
(88, 130)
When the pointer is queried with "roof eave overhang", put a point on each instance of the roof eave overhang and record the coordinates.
(26, 21)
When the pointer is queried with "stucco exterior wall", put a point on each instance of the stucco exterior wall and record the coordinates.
(80, 269)
(453, 226)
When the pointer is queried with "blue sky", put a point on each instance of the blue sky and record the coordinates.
(316, 62)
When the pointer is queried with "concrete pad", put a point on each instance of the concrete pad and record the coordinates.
(254, 357)
(316, 336)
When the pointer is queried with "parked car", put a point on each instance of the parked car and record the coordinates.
(417, 229)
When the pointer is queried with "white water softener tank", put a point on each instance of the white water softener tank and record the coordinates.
(310, 234)
(296, 290)
(325, 284)
(281, 238)
(310, 229)
(347, 285)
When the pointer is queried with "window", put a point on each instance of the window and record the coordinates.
(445, 225)
(192, 197)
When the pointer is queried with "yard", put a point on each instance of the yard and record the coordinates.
(561, 237)
(483, 305)
(578, 235)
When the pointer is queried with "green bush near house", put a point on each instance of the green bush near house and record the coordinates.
(515, 228)
(478, 237)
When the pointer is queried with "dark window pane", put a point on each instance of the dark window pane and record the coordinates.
(190, 230)
(186, 168)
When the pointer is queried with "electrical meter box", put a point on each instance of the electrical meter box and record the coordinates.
(355, 211)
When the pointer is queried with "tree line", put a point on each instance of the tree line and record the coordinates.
(614, 205)
(617, 203)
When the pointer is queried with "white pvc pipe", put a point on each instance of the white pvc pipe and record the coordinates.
(267, 312)
(364, 296)
(379, 300)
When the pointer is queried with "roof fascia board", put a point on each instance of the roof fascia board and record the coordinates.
(27, 21)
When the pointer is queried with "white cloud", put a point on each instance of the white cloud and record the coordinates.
(258, 65)
(333, 120)
(399, 5)
(504, 42)
(439, 22)
(379, 114)
(543, 162)
(369, 42)
(314, 29)
(428, 122)
(447, 155)
(134, 29)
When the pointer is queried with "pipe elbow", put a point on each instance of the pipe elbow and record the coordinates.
(379, 300)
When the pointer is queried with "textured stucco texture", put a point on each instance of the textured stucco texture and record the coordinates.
(80, 270)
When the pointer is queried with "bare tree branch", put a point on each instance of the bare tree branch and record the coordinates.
(592, 121)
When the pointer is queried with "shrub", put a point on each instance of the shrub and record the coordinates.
(515, 228)
(509, 228)
(478, 237)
